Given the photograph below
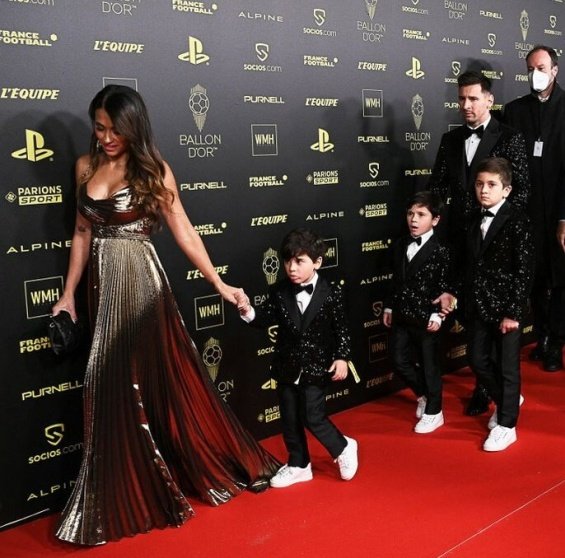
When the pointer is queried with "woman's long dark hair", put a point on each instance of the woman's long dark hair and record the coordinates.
(145, 170)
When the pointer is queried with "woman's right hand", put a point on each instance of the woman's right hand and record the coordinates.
(67, 303)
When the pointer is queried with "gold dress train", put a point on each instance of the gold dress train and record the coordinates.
(155, 428)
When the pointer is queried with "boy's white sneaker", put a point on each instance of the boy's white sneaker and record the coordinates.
(500, 438)
(348, 461)
(493, 420)
(429, 423)
(287, 476)
(421, 408)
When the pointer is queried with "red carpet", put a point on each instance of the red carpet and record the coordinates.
(421, 496)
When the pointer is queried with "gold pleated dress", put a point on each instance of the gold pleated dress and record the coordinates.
(155, 428)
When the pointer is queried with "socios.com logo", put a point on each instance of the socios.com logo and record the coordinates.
(195, 53)
(34, 150)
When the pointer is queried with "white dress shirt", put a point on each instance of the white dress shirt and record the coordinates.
(472, 142)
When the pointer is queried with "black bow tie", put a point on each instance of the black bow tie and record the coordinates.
(308, 288)
(417, 240)
(486, 213)
(468, 132)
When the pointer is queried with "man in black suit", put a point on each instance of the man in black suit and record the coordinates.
(540, 116)
(454, 171)
(497, 284)
(313, 348)
(421, 271)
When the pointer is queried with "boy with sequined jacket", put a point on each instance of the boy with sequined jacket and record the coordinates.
(497, 285)
(312, 349)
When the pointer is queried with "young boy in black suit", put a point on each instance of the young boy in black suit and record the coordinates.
(497, 286)
(313, 348)
(421, 269)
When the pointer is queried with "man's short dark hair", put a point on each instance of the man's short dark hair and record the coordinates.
(497, 165)
(549, 50)
(472, 77)
(302, 241)
(430, 200)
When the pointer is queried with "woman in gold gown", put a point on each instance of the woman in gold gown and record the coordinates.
(155, 429)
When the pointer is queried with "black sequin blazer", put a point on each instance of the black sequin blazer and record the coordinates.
(308, 342)
(453, 180)
(417, 283)
(500, 267)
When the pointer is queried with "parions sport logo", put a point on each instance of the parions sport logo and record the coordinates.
(36, 195)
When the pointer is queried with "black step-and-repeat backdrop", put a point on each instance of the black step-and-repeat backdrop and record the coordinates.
(272, 115)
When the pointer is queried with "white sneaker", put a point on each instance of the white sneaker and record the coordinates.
(348, 461)
(287, 476)
(500, 438)
(429, 423)
(493, 420)
(421, 408)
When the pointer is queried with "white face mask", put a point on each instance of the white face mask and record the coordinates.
(539, 81)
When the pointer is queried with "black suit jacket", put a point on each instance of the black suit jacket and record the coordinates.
(500, 267)
(547, 173)
(454, 182)
(308, 342)
(417, 283)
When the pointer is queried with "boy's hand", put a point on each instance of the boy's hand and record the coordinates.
(433, 326)
(507, 325)
(387, 319)
(242, 302)
(339, 369)
(447, 302)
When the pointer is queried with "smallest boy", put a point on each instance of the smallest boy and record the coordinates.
(313, 347)
(498, 283)
(421, 270)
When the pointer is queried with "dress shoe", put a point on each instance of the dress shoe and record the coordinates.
(553, 359)
(348, 461)
(493, 420)
(429, 423)
(479, 402)
(500, 438)
(287, 476)
(422, 401)
(539, 351)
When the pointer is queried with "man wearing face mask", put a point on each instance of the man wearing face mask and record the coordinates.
(540, 116)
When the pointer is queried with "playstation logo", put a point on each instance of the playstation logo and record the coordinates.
(415, 71)
(34, 150)
(195, 54)
(323, 145)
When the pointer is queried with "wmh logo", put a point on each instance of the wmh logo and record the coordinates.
(209, 311)
(264, 140)
(41, 295)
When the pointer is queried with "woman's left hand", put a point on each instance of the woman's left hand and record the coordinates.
(229, 293)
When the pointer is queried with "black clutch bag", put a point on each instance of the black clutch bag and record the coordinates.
(65, 334)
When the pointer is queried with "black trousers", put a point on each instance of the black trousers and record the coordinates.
(304, 407)
(411, 344)
(495, 359)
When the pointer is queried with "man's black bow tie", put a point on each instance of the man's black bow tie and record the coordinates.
(468, 132)
(486, 213)
(308, 288)
(417, 240)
